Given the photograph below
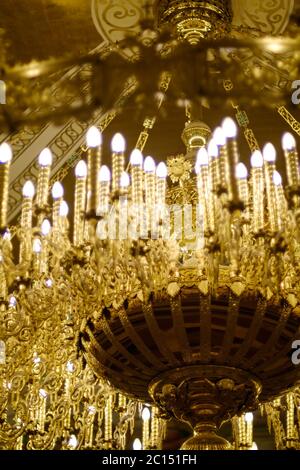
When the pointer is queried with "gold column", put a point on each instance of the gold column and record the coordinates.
(230, 131)
(269, 154)
(80, 202)
(118, 146)
(149, 169)
(94, 142)
(257, 179)
(5, 160)
(26, 221)
(45, 162)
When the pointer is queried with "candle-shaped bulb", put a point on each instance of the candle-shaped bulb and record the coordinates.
(288, 142)
(118, 143)
(230, 128)
(212, 149)
(37, 245)
(269, 153)
(81, 169)
(5, 159)
(136, 158)
(45, 157)
(162, 170)
(46, 227)
(219, 137)
(146, 414)
(28, 189)
(137, 445)
(57, 190)
(257, 160)
(124, 180)
(249, 417)
(277, 179)
(5, 153)
(202, 157)
(241, 171)
(93, 137)
(104, 174)
(63, 209)
(149, 165)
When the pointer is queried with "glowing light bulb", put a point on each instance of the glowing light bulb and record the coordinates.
(5, 153)
(219, 137)
(146, 414)
(57, 190)
(230, 128)
(28, 189)
(257, 160)
(36, 359)
(288, 142)
(70, 367)
(254, 446)
(36, 246)
(92, 410)
(104, 174)
(46, 227)
(49, 283)
(162, 170)
(212, 149)
(137, 445)
(249, 417)
(45, 157)
(136, 158)
(12, 301)
(73, 442)
(149, 165)
(241, 171)
(81, 169)
(43, 393)
(93, 137)
(277, 179)
(6, 235)
(118, 143)
(63, 209)
(269, 153)
(202, 157)
(124, 180)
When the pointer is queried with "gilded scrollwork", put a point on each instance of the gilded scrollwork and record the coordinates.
(114, 19)
(270, 17)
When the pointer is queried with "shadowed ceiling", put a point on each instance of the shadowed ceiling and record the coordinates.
(40, 29)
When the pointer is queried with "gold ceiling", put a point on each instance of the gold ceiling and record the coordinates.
(39, 29)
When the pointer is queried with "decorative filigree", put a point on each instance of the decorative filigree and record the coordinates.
(179, 169)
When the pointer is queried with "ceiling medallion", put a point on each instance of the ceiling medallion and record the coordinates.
(195, 19)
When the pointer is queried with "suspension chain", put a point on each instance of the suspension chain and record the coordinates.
(243, 121)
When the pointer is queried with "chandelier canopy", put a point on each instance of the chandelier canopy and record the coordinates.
(196, 19)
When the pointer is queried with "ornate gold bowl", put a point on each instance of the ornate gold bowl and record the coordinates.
(201, 358)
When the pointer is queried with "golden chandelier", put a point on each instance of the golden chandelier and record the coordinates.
(190, 306)
(169, 291)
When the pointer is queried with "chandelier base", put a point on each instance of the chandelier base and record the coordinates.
(205, 397)
(206, 439)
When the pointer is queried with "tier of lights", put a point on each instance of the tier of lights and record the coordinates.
(55, 287)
